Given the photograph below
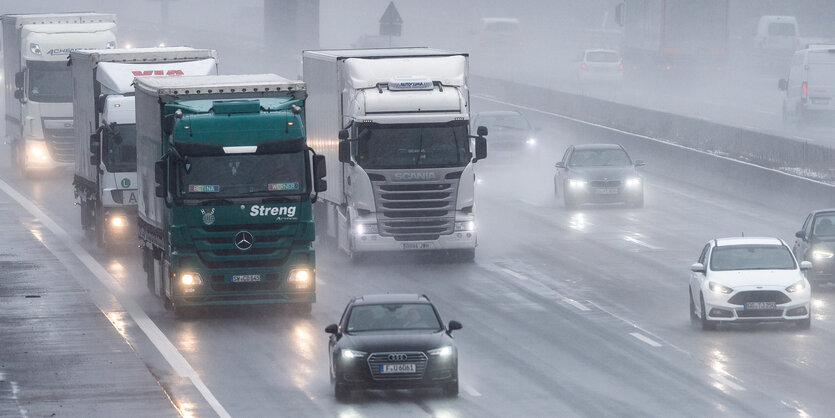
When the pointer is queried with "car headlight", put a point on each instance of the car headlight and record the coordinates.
(300, 277)
(531, 142)
(191, 279)
(633, 182)
(362, 229)
(444, 351)
(799, 285)
(821, 254)
(464, 226)
(719, 288)
(352, 354)
(576, 184)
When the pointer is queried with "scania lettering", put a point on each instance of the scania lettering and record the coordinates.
(394, 127)
(39, 91)
(105, 129)
(226, 187)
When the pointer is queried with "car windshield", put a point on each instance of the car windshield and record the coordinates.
(824, 226)
(405, 316)
(413, 146)
(781, 29)
(49, 82)
(599, 158)
(504, 121)
(243, 175)
(602, 56)
(751, 257)
(120, 154)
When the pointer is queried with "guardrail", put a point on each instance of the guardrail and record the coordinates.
(756, 166)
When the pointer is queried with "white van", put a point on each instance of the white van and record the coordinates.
(810, 85)
(777, 33)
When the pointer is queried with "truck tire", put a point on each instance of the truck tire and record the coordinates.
(99, 223)
(301, 308)
(466, 255)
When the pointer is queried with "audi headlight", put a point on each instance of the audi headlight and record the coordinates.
(363, 229)
(445, 351)
(464, 226)
(35, 48)
(799, 285)
(576, 184)
(633, 182)
(352, 354)
(719, 288)
(821, 254)
(300, 277)
(191, 279)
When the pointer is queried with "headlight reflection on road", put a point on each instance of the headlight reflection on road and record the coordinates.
(578, 221)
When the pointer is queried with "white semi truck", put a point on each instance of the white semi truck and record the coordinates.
(105, 128)
(393, 125)
(39, 118)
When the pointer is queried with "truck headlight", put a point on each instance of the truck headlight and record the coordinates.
(633, 182)
(799, 285)
(191, 279)
(719, 288)
(531, 142)
(444, 351)
(117, 221)
(821, 254)
(576, 183)
(362, 229)
(464, 226)
(300, 277)
(37, 150)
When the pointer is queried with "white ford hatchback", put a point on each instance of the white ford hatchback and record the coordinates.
(749, 280)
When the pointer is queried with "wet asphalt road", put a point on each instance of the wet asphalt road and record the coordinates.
(565, 312)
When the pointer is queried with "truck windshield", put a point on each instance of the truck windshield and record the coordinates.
(120, 154)
(49, 81)
(413, 145)
(243, 175)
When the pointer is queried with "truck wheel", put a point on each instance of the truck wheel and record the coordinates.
(466, 255)
(99, 221)
(303, 308)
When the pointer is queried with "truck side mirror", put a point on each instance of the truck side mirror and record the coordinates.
(480, 148)
(783, 84)
(619, 14)
(161, 179)
(95, 150)
(343, 134)
(319, 172)
(18, 94)
(168, 124)
(18, 79)
(344, 152)
(481, 131)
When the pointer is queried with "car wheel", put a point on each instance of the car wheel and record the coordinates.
(805, 323)
(569, 202)
(707, 324)
(556, 190)
(637, 202)
(693, 317)
(341, 391)
(451, 389)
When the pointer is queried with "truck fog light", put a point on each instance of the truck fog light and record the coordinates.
(191, 279)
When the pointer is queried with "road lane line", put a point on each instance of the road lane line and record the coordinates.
(725, 381)
(645, 339)
(154, 334)
(641, 243)
(638, 327)
(514, 274)
(576, 304)
(471, 390)
(545, 291)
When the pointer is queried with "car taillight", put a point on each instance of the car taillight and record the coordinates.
(804, 91)
(620, 66)
(584, 66)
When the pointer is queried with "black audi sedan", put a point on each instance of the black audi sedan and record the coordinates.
(392, 341)
(598, 173)
(816, 243)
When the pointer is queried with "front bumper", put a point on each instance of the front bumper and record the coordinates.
(374, 242)
(356, 373)
(590, 194)
(731, 307)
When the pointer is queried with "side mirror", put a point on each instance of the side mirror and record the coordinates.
(343, 134)
(805, 265)
(18, 94)
(344, 151)
(783, 84)
(480, 147)
(168, 124)
(161, 178)
(481, 131)
(559, 164)
(319, 172)
(801, 235)
(332, 329)
(18, 79)
(95, 150)
(639, 163)
(454, 325)
(697, 268)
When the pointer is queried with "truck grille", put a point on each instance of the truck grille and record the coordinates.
(415, 210)
(375, 360)
(60, 139)
(216, 247)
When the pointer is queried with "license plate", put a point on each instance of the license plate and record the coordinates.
(607, 190)
(246, 278)
(398, 368)
(760, 305)
(415, 245)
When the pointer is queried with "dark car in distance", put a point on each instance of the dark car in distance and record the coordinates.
(509, 130)
(598, 173)
(392, 341)
(816, 243)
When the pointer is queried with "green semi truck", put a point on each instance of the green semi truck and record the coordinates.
(226, 182)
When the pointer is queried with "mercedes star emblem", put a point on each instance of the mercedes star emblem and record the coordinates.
(244, 240)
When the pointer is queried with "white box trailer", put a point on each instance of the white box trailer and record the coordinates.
(39, 118)
(393, 125)
(105, 127)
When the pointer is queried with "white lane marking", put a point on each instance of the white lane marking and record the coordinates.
(645, 339)
(514, 274)
(638, 327)
(576, 304)
(547, 290)
(15, 391)
(641, 243)
(157, 337)
(471, 390)
(726, 382)
(649, 138)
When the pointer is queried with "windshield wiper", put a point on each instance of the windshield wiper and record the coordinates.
(278, 199)
(215, 202)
